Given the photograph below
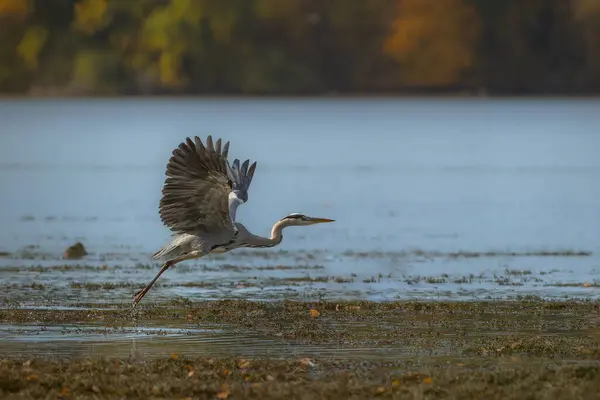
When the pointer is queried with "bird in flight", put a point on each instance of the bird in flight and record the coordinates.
(200, 196)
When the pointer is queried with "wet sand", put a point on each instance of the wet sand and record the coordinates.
(527, 348)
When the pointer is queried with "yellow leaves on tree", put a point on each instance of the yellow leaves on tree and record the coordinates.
(155, 34)
(31, 44)
(433, 40)
(170, 69)
(91, 15)
(164, 32)
(14, 8)
(85, 69)
(165, 28)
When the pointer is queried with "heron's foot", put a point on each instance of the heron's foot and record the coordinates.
(137, 298)
(140, 295)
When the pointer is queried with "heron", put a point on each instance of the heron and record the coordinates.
(200, 197)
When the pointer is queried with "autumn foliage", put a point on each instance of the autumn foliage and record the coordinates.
(434, 41)
(299, 46)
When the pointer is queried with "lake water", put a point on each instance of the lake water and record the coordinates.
(410, 183)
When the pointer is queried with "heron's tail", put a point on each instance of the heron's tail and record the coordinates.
(179, 245)
(170, 250)
(158, 254)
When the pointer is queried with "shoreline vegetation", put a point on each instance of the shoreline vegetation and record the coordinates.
(300, 47)
(400, 96)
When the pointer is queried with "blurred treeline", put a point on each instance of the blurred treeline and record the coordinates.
(299, 46)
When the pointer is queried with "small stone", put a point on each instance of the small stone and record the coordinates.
(75, 252)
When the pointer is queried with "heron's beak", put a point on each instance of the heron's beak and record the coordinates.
(321, 220)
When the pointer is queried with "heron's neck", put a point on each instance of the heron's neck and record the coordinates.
(277, 232)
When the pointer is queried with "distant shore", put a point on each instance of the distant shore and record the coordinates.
(358, 96)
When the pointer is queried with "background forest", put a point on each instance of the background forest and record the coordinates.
(289, 47)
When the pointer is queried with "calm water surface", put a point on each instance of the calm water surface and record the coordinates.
(409, 183)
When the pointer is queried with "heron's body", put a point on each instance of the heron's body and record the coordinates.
(185, 243)
(200, 197)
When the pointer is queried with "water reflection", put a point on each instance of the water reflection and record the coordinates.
(87, 341)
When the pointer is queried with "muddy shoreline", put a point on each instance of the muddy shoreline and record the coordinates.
(528, 348)
(298, 379)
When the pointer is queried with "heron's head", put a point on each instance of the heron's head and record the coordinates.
(297, 219)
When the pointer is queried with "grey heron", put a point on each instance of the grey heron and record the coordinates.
(200, 196)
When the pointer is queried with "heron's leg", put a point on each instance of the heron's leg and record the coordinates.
(140, 295)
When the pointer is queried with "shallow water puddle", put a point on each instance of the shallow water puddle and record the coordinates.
(154, 342)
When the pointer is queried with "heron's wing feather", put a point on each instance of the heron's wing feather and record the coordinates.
(196, 191)
(241, 178)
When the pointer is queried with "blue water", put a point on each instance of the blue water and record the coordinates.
(396, 175)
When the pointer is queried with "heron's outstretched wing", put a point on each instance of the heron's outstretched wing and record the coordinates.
(196, 194)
